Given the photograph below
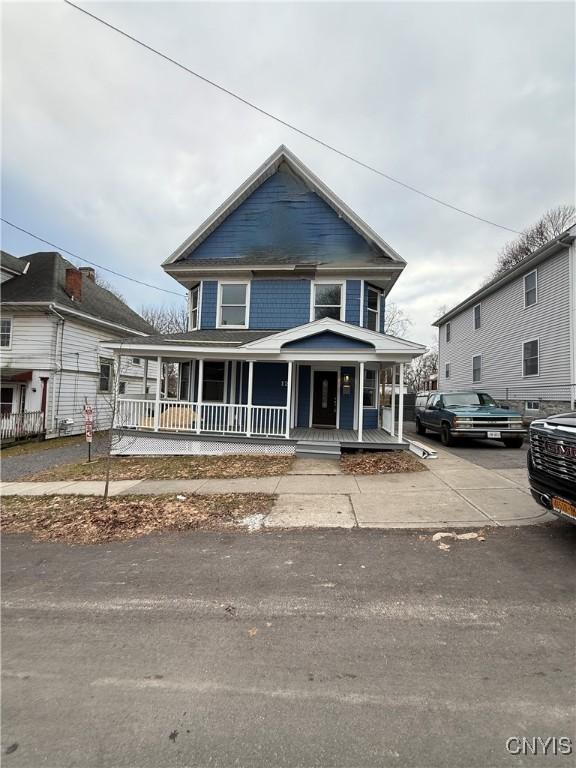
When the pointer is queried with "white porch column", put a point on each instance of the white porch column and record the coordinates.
(200, 394)
(289, 399)
(249, 399)
(116, 396)
(360, 401)
(393, 402)
(158, 390)
(401, 403)
(145, 377)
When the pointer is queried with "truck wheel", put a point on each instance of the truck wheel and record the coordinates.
(420, 428)
(513, 442)
(446, 435)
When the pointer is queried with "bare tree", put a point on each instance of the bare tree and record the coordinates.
(166, 319)
(420, 369)
(107, 285)
(396, 322)
(550, 225)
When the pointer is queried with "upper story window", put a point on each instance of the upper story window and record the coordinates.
(447, 371)
(136, 361)
(477, 316)
(194, 297)
(6, 332)
(233, 304)
(477, 368)
(530, 288)
(328, 301)
(106, 374)
(448, 331)
(373, 316)
(531, 358)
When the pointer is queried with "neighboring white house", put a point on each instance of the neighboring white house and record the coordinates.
(52, 361)
(515, 338)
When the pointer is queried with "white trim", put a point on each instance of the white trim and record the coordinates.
(249, 398)
(8, 347)
(246, 305)
(378, 293)
(361, 314)
(158, 392)
(474, 327)
(294, 406)
(531, 375)
(331, 369)
(289, 396)
(401, 404)
(476, 381)
(190, 308)
(283, 154)
(327, 281)
(535, 272)
(360, 402)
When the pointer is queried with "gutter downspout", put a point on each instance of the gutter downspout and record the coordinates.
(58, 366)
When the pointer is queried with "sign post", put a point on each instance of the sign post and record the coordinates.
(89, 428)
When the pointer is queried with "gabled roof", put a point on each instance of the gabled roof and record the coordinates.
(528, 263)
(264, 172)
(44, 282)
(9, 263)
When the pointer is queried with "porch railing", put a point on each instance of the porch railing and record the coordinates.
(19, 425)
(206, 418)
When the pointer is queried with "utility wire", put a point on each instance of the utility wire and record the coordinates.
(284, 122)
(93, 263)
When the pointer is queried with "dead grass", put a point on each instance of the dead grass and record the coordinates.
(33, 446)
(381, 463)
(170, 468)
(86, 520)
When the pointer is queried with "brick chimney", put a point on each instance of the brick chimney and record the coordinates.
(73, 285)
(88, 272)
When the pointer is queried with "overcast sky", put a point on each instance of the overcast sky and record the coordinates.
(114, 154)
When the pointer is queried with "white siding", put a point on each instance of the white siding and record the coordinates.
(506, 324)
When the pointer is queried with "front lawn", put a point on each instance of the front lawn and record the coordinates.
(86, 520)
(380, 463)
(170, 468)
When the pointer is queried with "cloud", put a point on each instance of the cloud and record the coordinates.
(119, 156)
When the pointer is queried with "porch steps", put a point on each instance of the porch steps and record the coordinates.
(318, 449)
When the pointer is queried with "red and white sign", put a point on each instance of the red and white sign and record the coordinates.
(88, 423)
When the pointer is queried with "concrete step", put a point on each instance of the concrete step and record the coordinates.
(318, 449)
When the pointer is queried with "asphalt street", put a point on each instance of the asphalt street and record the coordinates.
(338, 648)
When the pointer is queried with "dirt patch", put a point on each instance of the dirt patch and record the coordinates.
(171, 468)
(86, 520)
(382, 463)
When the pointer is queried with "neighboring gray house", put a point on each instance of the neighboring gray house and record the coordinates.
(515, 338)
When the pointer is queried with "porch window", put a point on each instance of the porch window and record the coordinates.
(194, 296)
(477, 368)
(531, 358)
(233, 301)
(6, 332)
(106, 371)
(530, 289)
(327, 301)
(370, 386)
(214, 378)
(373, 318)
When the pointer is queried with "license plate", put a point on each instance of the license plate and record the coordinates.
(560, 505)
(494, 435)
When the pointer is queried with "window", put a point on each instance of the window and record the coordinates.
(477, 316)
(214, 377)
(327, 301)
(373, 317)
(477, 368)
(136, 360)
(185, 370)
(448, 331)
(106, 372)
(5, 332)
(233, 301)
(530, 289)
(122, 388)
(531, 358)
(370, 382)
(532, 405)
(194, 296)
(447, 371)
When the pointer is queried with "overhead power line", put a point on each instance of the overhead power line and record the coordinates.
(93, 263)
(285, 123)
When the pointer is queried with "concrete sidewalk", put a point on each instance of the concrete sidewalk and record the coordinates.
(454, 493)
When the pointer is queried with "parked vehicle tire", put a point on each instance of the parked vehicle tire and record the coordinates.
(420, 428)
(446, 435)
(513, 442)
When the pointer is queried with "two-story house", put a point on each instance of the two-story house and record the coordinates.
(515, 338)
(287, 289)
(52, 363)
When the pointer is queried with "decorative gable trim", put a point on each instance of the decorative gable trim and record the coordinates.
(267, 169)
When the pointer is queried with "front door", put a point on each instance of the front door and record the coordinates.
(324, 399)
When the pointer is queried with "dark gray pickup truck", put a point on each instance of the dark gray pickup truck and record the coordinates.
(467, 414)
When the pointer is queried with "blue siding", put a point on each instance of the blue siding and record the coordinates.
(327, 340)
(209, 302)
(303, 415)
(352, 313)
(267, 386)
(347, 401)
(279, 303)
(284, 220)
(370, 418)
